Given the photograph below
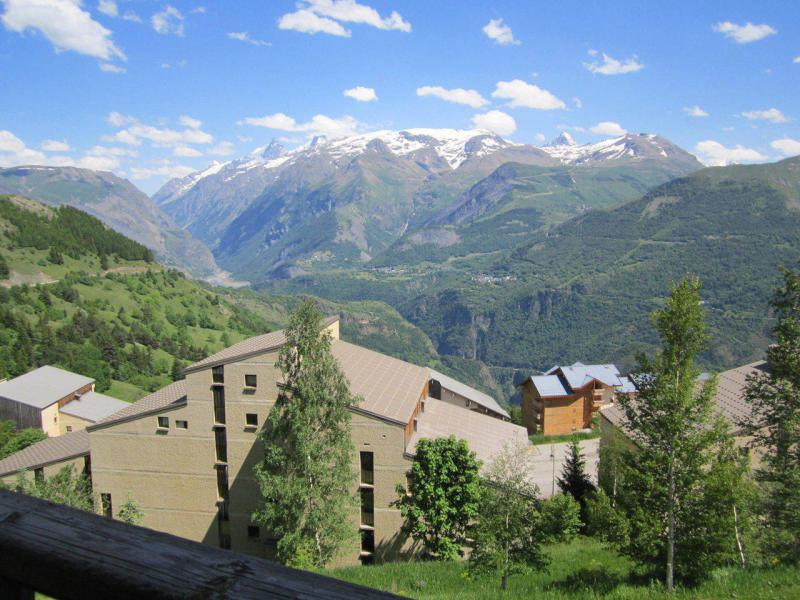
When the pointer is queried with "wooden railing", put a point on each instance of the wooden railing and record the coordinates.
(71, 554)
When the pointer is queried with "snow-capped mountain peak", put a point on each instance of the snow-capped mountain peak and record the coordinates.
(563, 139)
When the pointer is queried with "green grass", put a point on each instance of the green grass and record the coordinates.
(125, 391)
(582, 569)
(538, 439)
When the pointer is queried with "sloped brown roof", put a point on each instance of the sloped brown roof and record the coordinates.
(248, 347)
(390, 387)
(729, 400)
(51, 450)
(485, 435)
(168, 397)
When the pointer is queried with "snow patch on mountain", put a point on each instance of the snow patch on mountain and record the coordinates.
(631, 146)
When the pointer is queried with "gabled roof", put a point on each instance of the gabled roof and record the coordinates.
(389, 386)
(51, 450)
(578, 374)
(627, 386)
(172, 396)
(43, 386)
(485, 435)
(729, 400)
(93, 406)
(550, 385)
(249, 347)
(468, 392)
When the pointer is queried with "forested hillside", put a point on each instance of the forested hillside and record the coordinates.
(583, 290)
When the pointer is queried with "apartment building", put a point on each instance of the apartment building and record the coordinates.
(186, 453)
(566, 399)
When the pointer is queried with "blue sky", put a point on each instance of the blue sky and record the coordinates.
(152, 90)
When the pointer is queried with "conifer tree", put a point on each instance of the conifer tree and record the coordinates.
(775, 426)
(130, 512)
(306, 477)
(574, 480)
(666, 496)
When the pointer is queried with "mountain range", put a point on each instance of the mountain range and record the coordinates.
(344, 202)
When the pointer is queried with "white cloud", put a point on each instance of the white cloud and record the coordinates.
(796, 60)
(111, 68)
(189, 122)
(112, 150)
(135, 132)
(612, 66)
(577, 102)
(98, 163)
(499, 32)
(108, 8)
(771, 114)
(168, 171)
(186, 151)
(55, 146)
(361, 94)
(787, 146)
(318, 125)
(744, 34)
(496, 121)
(540, 137)
(325, 16)
(608, 128)
(527, 95)
(695, 111)
(458, 95)
(306, 21)
(169, 20)
(13, 151)
(64, 23)
(715, 154)
(222, 149)
(243, 36)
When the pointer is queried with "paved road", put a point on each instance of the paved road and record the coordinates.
(548, 456)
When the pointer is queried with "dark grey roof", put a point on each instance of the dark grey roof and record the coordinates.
(43, 386)
(172, 396)
(93, 406)
(51, 450)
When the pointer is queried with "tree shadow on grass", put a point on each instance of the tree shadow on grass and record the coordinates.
(595, 578)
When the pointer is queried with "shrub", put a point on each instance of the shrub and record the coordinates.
(561, 518)
(603, 521)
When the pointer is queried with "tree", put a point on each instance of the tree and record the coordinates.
(130, 512)
(561, 518)
(775, 426)
(306, 477)
(5, 272)
(675, 436)
(65, 487)
(176, 373)
(604, 521)
(12, 441)
(507, 535)
(574, 480)
(54, 256)
(443, 496)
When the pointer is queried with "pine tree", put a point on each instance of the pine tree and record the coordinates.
(507, 536)
(306, 478)
(442, 498)
(775, 426)
(574, 480)
(130, 512)
(665, 491)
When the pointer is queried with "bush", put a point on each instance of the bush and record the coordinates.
(603, 521)
(4, 270)
(561, 518)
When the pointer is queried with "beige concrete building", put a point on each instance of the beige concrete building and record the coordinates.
(54, 400)
(186, 453)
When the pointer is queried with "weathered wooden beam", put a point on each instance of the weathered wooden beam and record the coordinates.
(73, 554)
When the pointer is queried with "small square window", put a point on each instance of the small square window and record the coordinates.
(69, 428)
(181, 424)
(253, 532)
(251, 419)
(250, 381)
(163, 422)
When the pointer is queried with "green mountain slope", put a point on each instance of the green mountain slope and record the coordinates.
(119, 204)
(583, 290)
